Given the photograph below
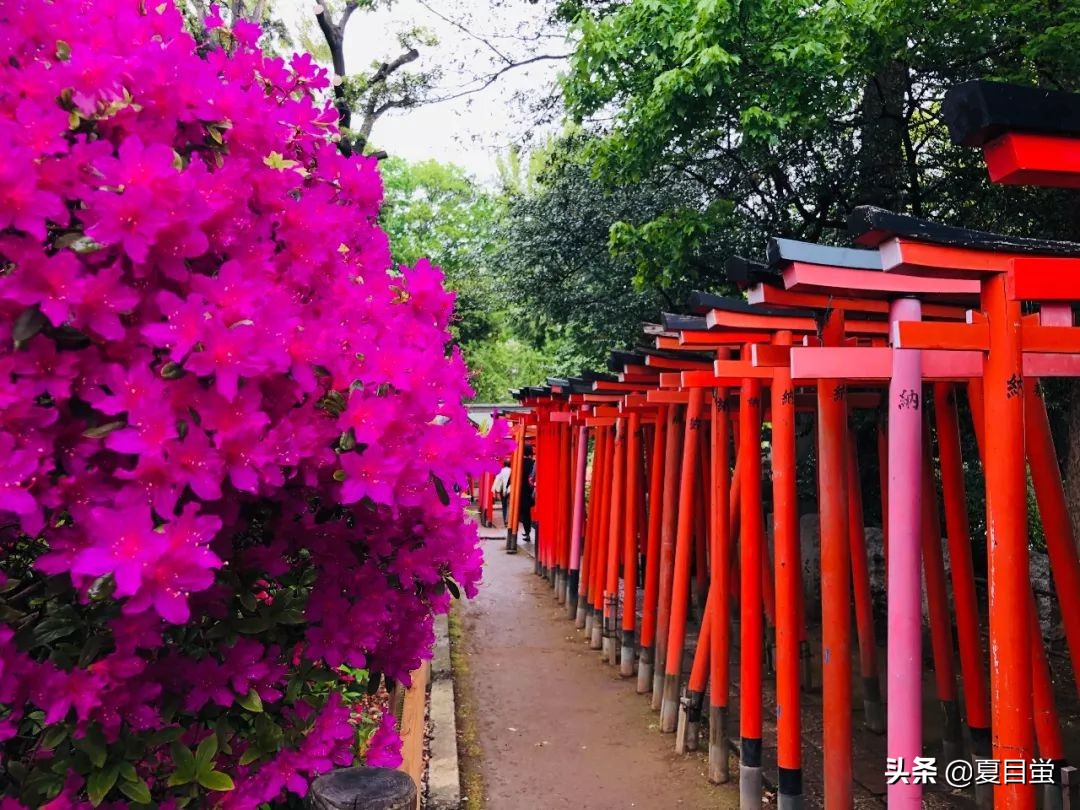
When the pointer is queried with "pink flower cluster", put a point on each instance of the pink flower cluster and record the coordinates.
(230, 431)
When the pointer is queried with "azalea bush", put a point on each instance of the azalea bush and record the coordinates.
(231, 432)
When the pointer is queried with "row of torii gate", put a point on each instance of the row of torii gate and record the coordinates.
(676, 483)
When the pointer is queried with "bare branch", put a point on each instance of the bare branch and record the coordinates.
(467, 32)
(491, 78)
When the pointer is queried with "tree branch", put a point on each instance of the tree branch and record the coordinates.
(467, 32)
(490, 79)
(387, 68)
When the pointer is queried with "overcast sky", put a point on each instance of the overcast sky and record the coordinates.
(475, 129)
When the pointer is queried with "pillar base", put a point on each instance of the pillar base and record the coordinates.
(789, 795)
(682, 728)
(658, 682)
(694, 701)
(607, 649)
(644, 671)
(626, 656)
(719, 767)
(749, 787)
(669, 706)
(1055, 796)
(572, 594)
(981, 748)
(582, 614)
(951, 743)
(596, 636)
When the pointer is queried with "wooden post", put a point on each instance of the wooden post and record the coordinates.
(965, 600)
(676, 428)
(1006, 507)
(788, 565)
(615, 543)
(860, 578)
(937, 601)
(751, 542)
(680, 591)
(720, 639)
(578, 523)
(630, 547)
(904, 698)
(652, 553)
(835, 580)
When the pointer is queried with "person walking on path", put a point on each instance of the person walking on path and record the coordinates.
(500, 488)
(526, 494)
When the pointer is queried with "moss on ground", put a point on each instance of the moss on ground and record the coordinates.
(470, 754)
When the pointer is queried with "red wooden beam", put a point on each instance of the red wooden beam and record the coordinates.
(676, 364)
(722, 319)
(941, 263)
(937, 335)
(724, 338)
(818, 278)
(739, 370)
(1034, 160)
(767, 294)
(606, 385)
(875, 363)
(668, 397)
(1043, 278)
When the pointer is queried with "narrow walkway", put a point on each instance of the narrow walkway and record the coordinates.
(558, 727)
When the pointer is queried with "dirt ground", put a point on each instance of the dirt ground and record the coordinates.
(559, 728)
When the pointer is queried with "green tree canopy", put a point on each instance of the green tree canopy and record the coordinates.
(795, 112)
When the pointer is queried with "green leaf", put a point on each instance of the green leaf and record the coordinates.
(100, 783)
(101, 431)
(204, 754)
(137, 791)
(53, 736)
(63, 50)
(93, 745)
(251, 701)
(28, 324)
(252, 624)
(440, 490)
(250, 755)
(216, 780)
(291, 616)
(185, 764)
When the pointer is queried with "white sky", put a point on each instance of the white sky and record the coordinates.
(474, 130)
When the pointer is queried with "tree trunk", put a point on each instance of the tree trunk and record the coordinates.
(883, 177)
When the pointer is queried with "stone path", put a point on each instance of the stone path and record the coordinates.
(558, 727)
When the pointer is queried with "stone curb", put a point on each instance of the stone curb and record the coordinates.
(444, 777)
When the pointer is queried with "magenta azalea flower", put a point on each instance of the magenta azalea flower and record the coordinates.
(221, 409)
